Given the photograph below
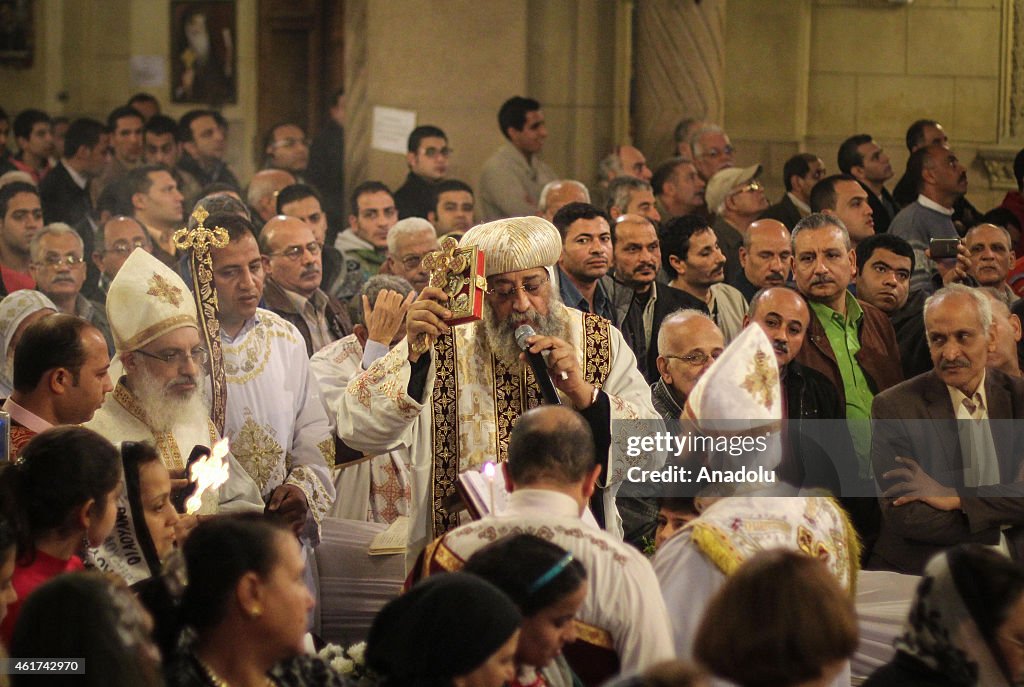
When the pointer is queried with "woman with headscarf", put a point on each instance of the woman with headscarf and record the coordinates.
(17, 312)
(966, 624)
(143, 538)
(450, 630)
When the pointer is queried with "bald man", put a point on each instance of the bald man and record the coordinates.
(263, 190)
(766, 257)
(557, 194)
(292, 288)
(816, 452)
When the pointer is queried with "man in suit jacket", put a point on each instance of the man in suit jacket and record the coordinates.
(946, 482)
(65, 190)
(639, 303)
(800, 173)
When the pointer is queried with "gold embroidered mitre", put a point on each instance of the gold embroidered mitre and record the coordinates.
(742, 386)
(516, 243)
(145, 301)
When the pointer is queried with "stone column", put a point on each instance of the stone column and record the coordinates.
(679, 60)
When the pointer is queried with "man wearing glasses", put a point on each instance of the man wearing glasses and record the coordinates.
(688, 342)
(712, 151)
(293, 262)
(408, 242)
(58, 266)
(285, 147)
(737, 198)
(160, 398)
(428, 164)
(451, 405)
(116, 240)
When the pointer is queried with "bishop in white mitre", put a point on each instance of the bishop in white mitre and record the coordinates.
(451, 404)
(160, 397)
(740, 392)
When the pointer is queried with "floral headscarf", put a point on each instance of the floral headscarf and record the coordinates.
(13, 311)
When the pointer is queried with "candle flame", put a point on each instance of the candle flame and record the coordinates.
(209, 472)
(489, 470)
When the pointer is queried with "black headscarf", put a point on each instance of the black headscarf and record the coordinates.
(445, 626)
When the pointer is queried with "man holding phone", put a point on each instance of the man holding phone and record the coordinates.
(943, 179)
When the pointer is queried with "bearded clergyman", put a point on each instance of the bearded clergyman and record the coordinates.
(452, 404)
(160, 399)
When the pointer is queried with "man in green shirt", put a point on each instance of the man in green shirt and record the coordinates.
(849, 341)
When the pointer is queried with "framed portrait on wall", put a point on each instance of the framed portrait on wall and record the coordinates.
(203, 56)
(17, 34)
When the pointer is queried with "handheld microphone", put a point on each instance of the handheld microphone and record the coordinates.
(537, 364)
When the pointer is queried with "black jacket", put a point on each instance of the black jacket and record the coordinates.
(908, 322)
(63, 200)
(415, 198)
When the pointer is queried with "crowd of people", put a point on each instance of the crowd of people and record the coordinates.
(152, 305)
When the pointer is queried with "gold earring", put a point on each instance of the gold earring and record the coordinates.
(256, 611)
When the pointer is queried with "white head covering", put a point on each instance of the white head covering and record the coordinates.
(13, 311)
(740, 395)
(515, 243)
(742, 384)
(145, 301)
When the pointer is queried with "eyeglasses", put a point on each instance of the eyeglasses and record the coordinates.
(411, 262)
(123, 248)
(433, 152)
(695, 359)
(506, 290)
(55, 261)
(749, 188)
(198, 355)
(295, 252)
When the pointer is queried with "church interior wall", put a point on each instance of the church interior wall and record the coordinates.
(798, 75)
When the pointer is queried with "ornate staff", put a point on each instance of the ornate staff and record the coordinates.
(199, 240)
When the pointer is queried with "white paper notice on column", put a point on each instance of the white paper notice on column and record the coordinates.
(148, 71)
(391, 129)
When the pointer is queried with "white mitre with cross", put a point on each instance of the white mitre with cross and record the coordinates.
(739, 397)
(146, 300)
(742, 386)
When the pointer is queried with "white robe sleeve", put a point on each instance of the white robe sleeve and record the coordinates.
(688, 580)
(311, 454)
(632, 413)
(240, 493)
(376, 414)
(647, 640)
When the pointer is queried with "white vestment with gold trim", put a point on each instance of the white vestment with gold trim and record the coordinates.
(279, 431)
(375, 490)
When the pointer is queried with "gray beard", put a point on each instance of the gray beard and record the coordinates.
(499, 337)
(166, 411)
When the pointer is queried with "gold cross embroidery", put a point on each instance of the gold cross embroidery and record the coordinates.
(760, 381)
(201, 238)
(164, 290)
